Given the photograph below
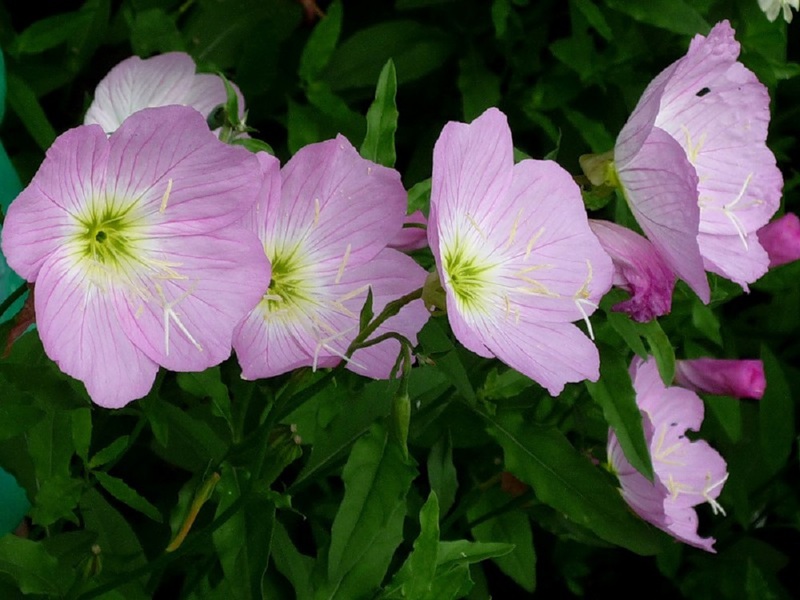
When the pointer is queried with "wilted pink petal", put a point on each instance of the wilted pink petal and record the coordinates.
(728, 377)
(411, 238)
(638, 269)
(781, 240)
(718, 112)
(161, 80)
(687, 473)
(324, 221)
(140, 262)
(515, 254)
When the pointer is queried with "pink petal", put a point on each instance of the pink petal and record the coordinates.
(336, 203)
(186, 322)
(411, 238)
(661, 188)
(80, 332)
(730, 377)
(135, 84)
(264, 210)
(726, 255)
(638, 269)
(207, 184)
(208, 92)
(781, 240)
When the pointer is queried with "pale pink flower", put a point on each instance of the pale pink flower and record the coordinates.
(638, 269)
(161, 80)
(131, 240)
(728, 377)
(687, 473)
(694, 166)
(781, 240)
(324, 221)
(515, 254)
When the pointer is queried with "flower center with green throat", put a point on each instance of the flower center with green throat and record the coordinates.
(288, 287)
(467, 275)
(105, 236)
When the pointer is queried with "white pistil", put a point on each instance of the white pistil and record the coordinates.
(171, 315)
(165, 197)
(581, 298)
(733, 218)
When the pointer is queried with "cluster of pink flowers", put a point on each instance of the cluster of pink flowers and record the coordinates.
(152, 243)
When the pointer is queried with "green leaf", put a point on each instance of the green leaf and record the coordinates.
(126, 494)
(296, 567)
(415, 578)
(366, 314)
(369, 523)
(51, 32)
(26, 105)
(615, 394)
(254, 145)
(416, 50)
(208, 384)
(479, 87)
(16, 419)
(50, 444)
(434, 341)
(442, 472)
(566, 480)
(82, 431)
(419, 196)
(672, 15)
(628, 331)
(336, 111)
(153, 31)
(378, 145)
(56, 499)
(321, 44)
(595, 17)
(116, 539)
(110, 453)
(510, 526)
(706, 322)
(776, 422)
(32, 568)
(662, 350)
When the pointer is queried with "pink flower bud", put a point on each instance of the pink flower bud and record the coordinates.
(781, 240)
(730, 377)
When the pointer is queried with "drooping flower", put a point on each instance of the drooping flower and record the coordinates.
(772, 8)
(411, 238)
(638, 269)
(161, 80)
(781, 240)
(694, 166)
(324, 221)
(515, 254)
(133, 244)
(728, 377)
(687, 473)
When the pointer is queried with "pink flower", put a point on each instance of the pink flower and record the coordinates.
(728, 377)
(324, 222)
(694, 166)
(687, 473)
(515, 254)
(161, 80)
(781, 240)
(638, 269)
(412, 238)
(132, 245)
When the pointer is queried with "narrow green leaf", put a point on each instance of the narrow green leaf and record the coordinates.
(677, 16)
(116, 540)
(615, 394)
(566, 480)
(442, 472)
(254, 145)
(110, 453)
(296, 567)
(378, 145)
(127, 495)
(51, 32)
(208, 384)
(706, 322)
(32, 568)
(662, 350)
(16, 419)
(366, 314)
(595, 17)
(154, 30)
(423, 559)
(321, 44)
(82, 431)
(26, 105)
(368, 525)
(56, 499)
(434, 340)
(628, 331)
(479, 87)
(50, 444)
(419, 196)
(776, 413)
(465, 552)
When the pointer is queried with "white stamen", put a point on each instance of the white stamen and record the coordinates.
(475, 225)
(316, 212)
(531, 242)
(343, 264)
(165, 197)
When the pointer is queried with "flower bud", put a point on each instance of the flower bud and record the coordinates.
(781, 240)
(729, 377)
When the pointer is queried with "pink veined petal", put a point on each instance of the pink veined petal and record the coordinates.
(263, 212)
(638, 269)
(683, 526)
(781, 240)
(79, 330)
(207, 92)
(391, 275)
(552, 354)
(411, 238)
(185, 321)
(726, 255)
(556, 269)
(182, 179)
(340, 207)
(135, 84)
(465, 331)
(661, 188)
(269, 347)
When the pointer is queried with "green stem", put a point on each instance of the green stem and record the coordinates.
(388, 312)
